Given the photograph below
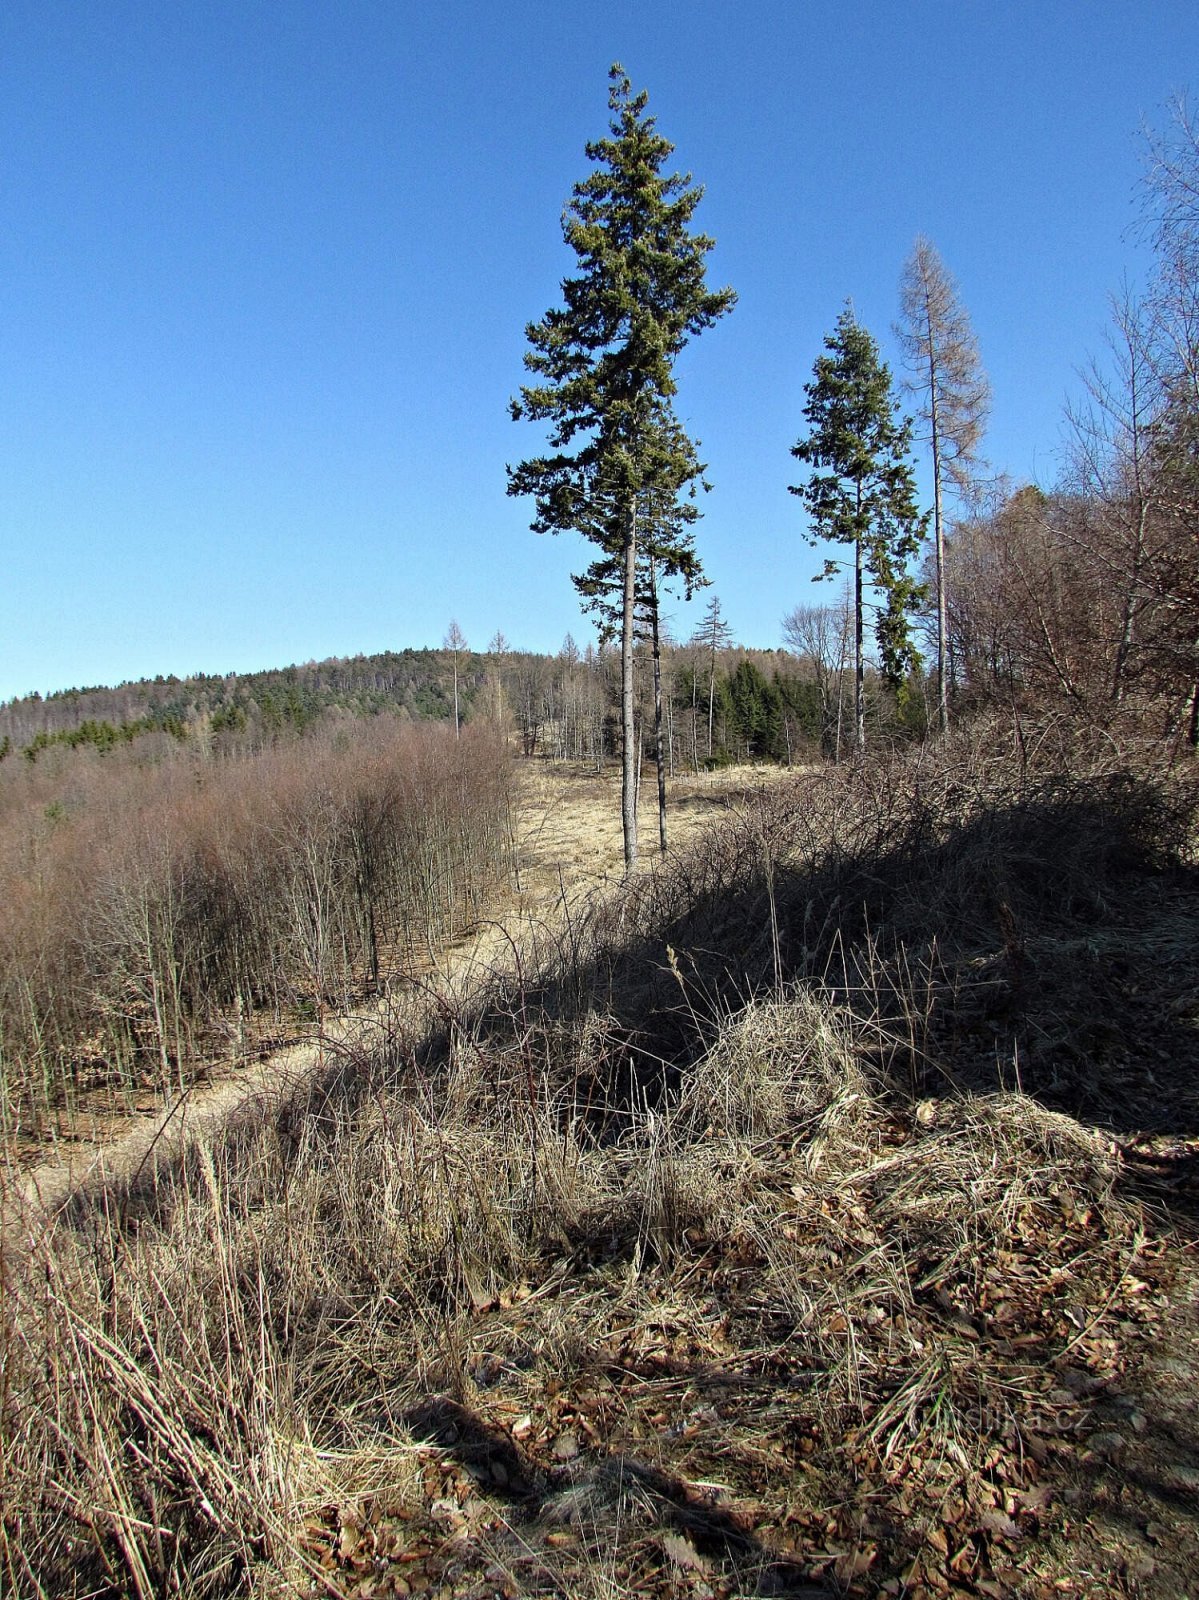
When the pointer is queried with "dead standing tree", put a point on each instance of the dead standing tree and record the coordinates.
(952, 400)
(455, 644)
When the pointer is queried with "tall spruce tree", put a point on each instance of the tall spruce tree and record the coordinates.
(604, 360)
(862, 492)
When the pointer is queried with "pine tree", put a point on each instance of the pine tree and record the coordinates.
(862, 491)
(604, 360)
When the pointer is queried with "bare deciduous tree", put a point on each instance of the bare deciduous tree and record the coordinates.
(1171, 198)
(952, 399)
(1171, 192)
(497, 648)
(455, 643)
(1111, 459)
(821, 635)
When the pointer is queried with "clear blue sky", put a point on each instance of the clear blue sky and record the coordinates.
(265, 269)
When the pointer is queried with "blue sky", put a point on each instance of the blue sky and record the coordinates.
(265, 270)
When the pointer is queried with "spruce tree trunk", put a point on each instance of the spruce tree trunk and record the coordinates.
(628, 798)
(859, 673)
(657, 650)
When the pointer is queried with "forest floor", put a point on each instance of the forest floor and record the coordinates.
(569, 847)
(858, 1343)
(818, 1219)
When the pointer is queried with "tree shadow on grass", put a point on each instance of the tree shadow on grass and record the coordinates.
(1048, 943)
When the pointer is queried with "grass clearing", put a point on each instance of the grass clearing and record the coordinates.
(567, 850)
(707, 1254)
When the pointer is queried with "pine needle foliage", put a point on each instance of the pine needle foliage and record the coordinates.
(666, 517)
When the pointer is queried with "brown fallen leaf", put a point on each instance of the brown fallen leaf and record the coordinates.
(998, 1525)
(854, 1564)
(683, 1553)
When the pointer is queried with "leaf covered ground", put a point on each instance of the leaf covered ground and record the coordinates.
(821, 1368)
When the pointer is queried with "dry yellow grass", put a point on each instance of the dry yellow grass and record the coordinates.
(569, 832)
(657, 1277)
(569, 847)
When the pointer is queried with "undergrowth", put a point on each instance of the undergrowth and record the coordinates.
(745, 1244)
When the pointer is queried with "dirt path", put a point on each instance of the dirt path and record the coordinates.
(569, 846)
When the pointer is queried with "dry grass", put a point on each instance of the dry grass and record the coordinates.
(567, 852)
(666, 1266)
(569, 829)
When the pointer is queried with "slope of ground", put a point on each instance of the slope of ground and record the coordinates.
(569, 846)
(812, 1218)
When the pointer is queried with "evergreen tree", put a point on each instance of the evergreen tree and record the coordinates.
(755, 714)
(665, 512)
(603, 362)
(800, 714)
(714, 634)
(862, 491)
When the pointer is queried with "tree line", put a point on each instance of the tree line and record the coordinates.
(563, 706)
(259, 705)
(1086, 593)
(722, 705)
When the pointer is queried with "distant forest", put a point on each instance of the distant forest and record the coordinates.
(722, 703)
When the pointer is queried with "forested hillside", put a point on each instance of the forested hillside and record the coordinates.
(728, 703)
(415, 682)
